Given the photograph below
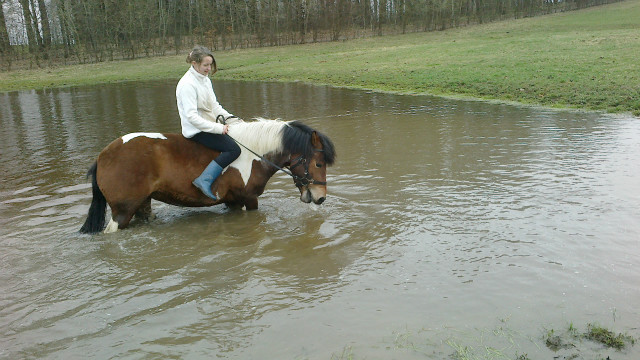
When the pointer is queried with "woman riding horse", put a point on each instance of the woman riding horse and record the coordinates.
(199, 109)
(138, 167)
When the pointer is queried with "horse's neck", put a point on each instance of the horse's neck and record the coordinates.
(279, 159)
(274, 162)
(261, 138)
(271, 164)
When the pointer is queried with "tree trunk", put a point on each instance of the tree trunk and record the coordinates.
(382, 10)
(34, 20)
(5, 44)
(46, 29)
(31, 35)
(66, 28)
(4, 34)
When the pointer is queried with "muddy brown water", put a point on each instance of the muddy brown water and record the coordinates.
(449, 226)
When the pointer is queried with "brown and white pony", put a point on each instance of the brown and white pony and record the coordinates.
(138, 167)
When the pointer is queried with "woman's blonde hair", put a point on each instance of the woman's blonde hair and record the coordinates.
(199, 53)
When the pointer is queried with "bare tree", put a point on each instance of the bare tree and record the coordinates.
(44, 23)
(5, 44)
(31, 33)
(97, 30)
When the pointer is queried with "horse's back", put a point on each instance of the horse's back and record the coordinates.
(145, 150)
(136, 166)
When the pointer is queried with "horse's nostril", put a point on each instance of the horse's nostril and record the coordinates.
(320, 201)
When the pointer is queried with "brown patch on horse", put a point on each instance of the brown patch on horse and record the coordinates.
(131, 174)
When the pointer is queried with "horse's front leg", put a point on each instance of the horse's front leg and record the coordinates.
(144, 212)
(251, 203)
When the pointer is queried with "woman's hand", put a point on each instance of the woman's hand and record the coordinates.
(225, 129)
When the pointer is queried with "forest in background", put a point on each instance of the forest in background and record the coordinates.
(38, 33)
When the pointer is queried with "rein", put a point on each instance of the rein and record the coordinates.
(297, 180)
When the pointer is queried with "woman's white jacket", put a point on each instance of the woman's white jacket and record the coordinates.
(197, 105)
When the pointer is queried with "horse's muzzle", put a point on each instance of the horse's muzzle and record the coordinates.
(308, 195)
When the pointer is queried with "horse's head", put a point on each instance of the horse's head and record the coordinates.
(310, 169)
(305, 151)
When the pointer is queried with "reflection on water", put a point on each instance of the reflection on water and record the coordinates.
(444, 218)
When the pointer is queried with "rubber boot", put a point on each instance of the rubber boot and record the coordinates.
(206, 179)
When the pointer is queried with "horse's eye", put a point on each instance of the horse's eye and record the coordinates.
(318, 165)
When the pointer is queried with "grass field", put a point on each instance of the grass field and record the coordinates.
(585, 59)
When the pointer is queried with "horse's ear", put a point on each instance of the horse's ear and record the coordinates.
(315, 140)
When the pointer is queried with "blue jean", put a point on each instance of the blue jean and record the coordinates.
(229, 149)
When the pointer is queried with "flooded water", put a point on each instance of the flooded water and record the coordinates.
(450, 229)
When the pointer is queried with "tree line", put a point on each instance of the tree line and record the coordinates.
(42, 32)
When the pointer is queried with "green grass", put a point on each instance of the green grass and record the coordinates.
(155, 68)
(498, 342)
(585, 60)
(570, 338)
(607, 337)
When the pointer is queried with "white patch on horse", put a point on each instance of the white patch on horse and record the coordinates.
(261, 136)
(244, 163)
(128, 137)
(111, 227)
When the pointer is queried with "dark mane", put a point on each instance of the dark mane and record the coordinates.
(296, 138)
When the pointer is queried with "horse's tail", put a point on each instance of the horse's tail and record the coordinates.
(95, 218)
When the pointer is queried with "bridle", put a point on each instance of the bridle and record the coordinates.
(308, 178)
(299, 181)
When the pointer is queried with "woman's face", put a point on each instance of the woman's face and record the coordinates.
(204, 67)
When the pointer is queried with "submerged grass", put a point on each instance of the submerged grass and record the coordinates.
(568, 339)
(607, 337)
(585, 59)
(499, 342)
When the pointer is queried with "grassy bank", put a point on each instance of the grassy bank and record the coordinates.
(586, 59)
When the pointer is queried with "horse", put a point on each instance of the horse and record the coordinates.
(138, 167)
